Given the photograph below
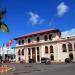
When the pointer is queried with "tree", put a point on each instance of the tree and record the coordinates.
(3, 26)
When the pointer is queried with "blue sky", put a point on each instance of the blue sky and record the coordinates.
(25, 16)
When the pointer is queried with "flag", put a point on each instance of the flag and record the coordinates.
(10, 41)
(7, 45)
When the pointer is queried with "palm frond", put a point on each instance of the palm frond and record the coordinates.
(4, 27)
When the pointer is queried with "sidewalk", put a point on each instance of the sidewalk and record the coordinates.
(4, 69)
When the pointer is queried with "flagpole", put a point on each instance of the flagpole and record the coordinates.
(7, 53)
(8, 44)
(1, 55)
(3, 52)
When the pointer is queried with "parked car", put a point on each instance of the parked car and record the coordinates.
(45, 60)
(68, 60)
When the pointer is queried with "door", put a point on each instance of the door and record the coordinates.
(33, 55)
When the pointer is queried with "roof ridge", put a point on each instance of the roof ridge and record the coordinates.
(38, 32)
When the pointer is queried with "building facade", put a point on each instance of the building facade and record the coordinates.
(7, 53)
(45, 43)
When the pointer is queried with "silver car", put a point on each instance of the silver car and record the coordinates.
(45, 60)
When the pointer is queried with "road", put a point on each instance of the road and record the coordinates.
(42, 69)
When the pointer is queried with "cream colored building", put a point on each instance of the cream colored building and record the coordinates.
(44, 43)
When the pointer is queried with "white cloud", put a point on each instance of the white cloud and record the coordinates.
(68, 33)
(62, 8)
(35, 19)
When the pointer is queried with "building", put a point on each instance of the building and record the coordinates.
(7, 53)
(44, 43)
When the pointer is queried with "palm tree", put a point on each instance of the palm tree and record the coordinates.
(3, 26)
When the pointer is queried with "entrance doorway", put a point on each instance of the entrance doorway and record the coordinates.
(33, 54)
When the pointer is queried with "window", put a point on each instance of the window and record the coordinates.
(46, 49)
(38, 39)
(64, 48)
(19, 53)
(52, 57)
(37, 50)
(22, 41)
(45, 38)
(22, 51)
(28, 51)
(29, 40)
(19, 59)
(74, 46)
(38, 54)
(19, 42)
(51, 49)
(70, 47)
(71, 56)
(50, 37)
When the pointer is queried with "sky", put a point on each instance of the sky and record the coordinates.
(25, 16)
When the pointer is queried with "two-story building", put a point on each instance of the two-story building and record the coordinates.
(44, 43)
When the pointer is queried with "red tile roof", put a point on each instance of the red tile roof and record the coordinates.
(39, 32)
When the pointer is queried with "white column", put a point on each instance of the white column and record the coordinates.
(26, 57)
(36, 54)
(73, 52)
(17, 55)
(24, 54)
(40, 53)
(31, 53)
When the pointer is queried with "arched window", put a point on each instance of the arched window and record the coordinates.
(51, 49)
(46, 49)
(45, 38)
(69, 46)
(22, 51)
(71, 56)
(19, 42)
(29, 40)
(22, 41)
(50, 37)
(19, 59)
(38, 56)
(64, 48)
(38, 39)
(52, 57)
(37, 50)
(19, 53)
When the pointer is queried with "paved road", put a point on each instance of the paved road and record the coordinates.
(42, 69)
